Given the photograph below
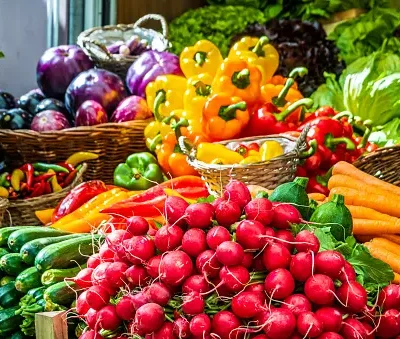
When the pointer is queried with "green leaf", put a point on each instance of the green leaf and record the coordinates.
(209, 199)
(262, 194)
(1, 54)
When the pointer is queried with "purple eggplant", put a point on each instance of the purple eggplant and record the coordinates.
(15, 118)
(29, 101)
(149, 66)
(7, 100)
(49, 121)
(90, 113)
(131, 108)
(54, 105)
(114, 47)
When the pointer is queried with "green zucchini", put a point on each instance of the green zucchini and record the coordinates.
(7, 279)
(12, 264)
(3, 251)
(62, 293)
(9, 321)
(18, 335)
(28, 279)
(37, 292)
(335, 215)
(9, 296)
(52, 276)
(19, 238)
(65, 254)
(6, 231)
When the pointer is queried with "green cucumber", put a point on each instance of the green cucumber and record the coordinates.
(52, 276)
(6, 231)
(30, 250)
(37, 292)
(19, 238)
(28, 279)
(9, 321)
(12, 264)
(9, 296)
(336, 215)
(3, 251)
(18, 335)
(295, 194)
(65, 254)
(62, 293)
(7, 279)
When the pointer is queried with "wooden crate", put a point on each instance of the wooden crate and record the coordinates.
(51, 325)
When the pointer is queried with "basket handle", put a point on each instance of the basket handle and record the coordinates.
(301, 140)
(156, 17)
(183, 142)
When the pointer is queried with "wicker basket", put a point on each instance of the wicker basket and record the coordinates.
(113, 142)
(3, 208)
(93, 41)
(22, 212)
(384, 163)
(268, 174)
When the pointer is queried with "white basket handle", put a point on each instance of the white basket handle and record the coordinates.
(156, 17)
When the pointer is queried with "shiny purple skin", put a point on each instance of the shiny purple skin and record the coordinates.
(95, 84)
(149, 66)
(131, 108)
(49, 121)
(58, 66)
(90, 113)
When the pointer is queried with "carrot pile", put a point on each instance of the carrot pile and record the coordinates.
(375, 208)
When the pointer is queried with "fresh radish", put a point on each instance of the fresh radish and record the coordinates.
(94, 261)
(370, 330)
(238, 192)
(91, 335)
(250, 234)
(216, 236)
(99, 275)
(91, 319)
(269, 235)
(389, 297)
(194, 242)
(137, 225)
(353, 329)
(301, 266)
(247, 260)
(224, 324)
(140, 299)
(195, 283)
(389, 324)
(331, 318)
(168, 238)
(247, 304)
(230, 253)
(193, 303)
(153, 266)
(84, 278)
(82, 307)
(115, 274)
(115, 238)
(227, 213)
(125, 308)
(181, 328)
(297, 303)
(306, 241)
(255, 287)
(175, 267)
(216, 202)
(207, 263)
(158, 293)
(199, 215)
(279, 284)
(200, 325)
(258, 264)
(139, 249)
(330, 263)
(330, 335)
(262, 336)
(149, 318)
(284, 215)
(348, 273)
(108, 319)
(165, 332)
(281, 324)
(353, 295)
(319, 289)
(174, 210)
(97, 297)
(137, 276)
(286, 238)
(262, 318)
(309, 325)
(259, 209)
(235, 278)
(106, 253)
(276, 256)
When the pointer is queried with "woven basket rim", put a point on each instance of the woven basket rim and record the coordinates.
(376, 153)
(51, 196)
(3, 203)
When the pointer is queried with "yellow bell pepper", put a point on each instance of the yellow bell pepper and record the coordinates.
(270, 149)
(197, 92)
(87, 224)
(208, 152)
(257, 51)
(44, 216)
(3, 192)
(251, 159)
(203, 57)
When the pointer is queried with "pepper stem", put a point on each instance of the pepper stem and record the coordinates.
(258, 48)
(177, 127)
(136, 174)
(200, 58)
(298, 72)
(311, 150)
(307, 102)
(202, 89)
(229, 112)
(161, 98)
(344, 114)
(331, 142)
(155, 142)
(367, 134)
(241, 79)
(301, 181)
(323, 179)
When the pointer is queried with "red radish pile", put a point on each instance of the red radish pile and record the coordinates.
(227, 270)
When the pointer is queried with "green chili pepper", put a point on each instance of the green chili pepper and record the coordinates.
(41, 166)
(3, 180)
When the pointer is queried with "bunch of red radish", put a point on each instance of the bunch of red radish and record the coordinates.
(227, 270)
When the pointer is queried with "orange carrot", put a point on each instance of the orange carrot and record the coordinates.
(392, 238)
(370, 227)
(317, 196)
(388, 203)
(361, 212)
(345, 168)
(396, 279)
(393, 260)
(385, 243)
(364, 238)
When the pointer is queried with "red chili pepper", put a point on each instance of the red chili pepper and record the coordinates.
(242, 150)
(29, 170)
(43, 177)
(47, 188)
(372, 147)
(69, 167)
(253, 147)
(324, 111)
(70, 178)
(38, 189)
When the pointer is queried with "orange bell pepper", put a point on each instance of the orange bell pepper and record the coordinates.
(44, 216)
(238, 78)
(87, 224)
(280, 80)
(224, 116)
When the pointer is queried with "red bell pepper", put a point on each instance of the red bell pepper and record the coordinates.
(324, 111)
(315, 186)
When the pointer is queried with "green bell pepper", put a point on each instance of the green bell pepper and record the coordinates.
(140, 172)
